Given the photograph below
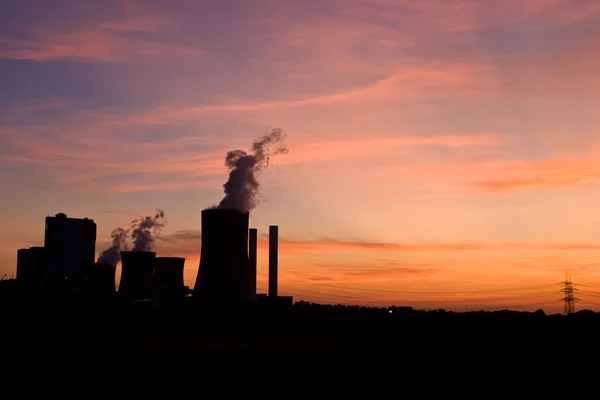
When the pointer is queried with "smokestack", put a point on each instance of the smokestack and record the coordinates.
(137, 275)
(252, 257)
(224, 272)
(273, 251)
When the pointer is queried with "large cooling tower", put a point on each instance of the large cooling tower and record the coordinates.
(137, 274)
(224, 276)
(168, 272)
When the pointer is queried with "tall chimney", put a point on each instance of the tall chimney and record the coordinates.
(252, 256)
(273, 243)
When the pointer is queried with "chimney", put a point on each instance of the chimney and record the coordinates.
(224, 272)
(137, 274)
(273, 251)
(252, 257)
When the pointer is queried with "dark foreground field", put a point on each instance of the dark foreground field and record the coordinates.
(90, 361)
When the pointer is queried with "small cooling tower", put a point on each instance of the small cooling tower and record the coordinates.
(168, 275)
(224, 276)
(101, 279)
(137, 274)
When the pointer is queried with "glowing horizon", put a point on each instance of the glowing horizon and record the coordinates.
(437, 147)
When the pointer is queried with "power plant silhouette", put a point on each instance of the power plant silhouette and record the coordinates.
(227, 272)
(228, 255)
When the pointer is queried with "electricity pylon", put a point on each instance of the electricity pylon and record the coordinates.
(569, 298)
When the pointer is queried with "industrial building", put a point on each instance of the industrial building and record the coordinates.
(70, 249)
(227, 271)
(31, 265)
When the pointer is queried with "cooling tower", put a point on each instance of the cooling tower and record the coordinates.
(168, 272)
(224, 276)
(137, 274)
(101, 279)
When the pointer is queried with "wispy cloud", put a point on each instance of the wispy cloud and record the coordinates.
(546, 173)
(190, 239)
(371, 274)
(119, 39)
(95, 159)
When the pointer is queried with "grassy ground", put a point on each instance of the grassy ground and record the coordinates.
(229, 365)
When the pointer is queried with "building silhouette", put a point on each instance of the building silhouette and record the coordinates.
(168, 279)
(31, 266)
(137, 275)
(225, 273)
(70, 249)
(273, 259)
(252, 256)
(100, 280)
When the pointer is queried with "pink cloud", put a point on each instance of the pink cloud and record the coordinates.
(92, 45)
(109, 40)
(96, 155)
(553, 172)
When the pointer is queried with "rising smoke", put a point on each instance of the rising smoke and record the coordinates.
(112, 255)
(144, 230)
(241, 189)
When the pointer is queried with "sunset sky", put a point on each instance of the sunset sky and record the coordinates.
(442, 153)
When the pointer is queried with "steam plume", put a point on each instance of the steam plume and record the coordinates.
(112, 255)
(144, 230)
(241, 189)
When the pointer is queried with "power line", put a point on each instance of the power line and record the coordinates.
(422, 292)
(334, 298)
(465, 300)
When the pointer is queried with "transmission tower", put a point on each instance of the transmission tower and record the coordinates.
(569, 292)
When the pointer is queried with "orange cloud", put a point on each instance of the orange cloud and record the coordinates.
(94, 158)
(371, 274)
(181, 241)
(553, 172)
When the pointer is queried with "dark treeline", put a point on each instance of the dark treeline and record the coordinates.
(491, 329)
(305, 349)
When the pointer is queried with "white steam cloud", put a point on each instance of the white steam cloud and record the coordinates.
(242, 187)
